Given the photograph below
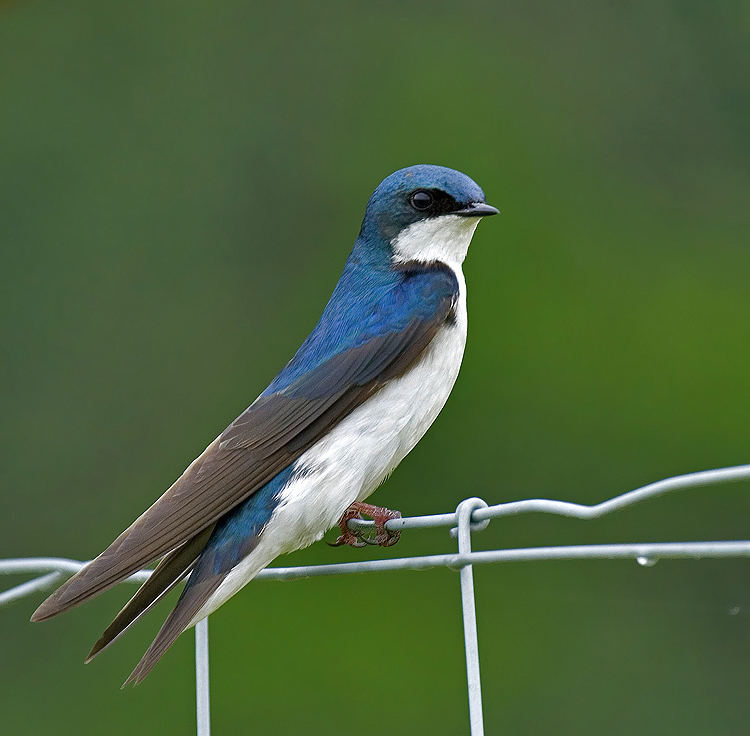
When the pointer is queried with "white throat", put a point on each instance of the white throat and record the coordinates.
(445, 239)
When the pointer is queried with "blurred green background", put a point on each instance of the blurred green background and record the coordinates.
(180, 185)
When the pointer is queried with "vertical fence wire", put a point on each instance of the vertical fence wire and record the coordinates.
(202, 693)
(468, 606)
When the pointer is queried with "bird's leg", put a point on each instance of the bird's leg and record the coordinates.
(379, 515)
(347, 536)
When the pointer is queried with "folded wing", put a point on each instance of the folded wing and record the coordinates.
(268, 436)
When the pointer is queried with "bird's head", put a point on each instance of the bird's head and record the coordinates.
(425, 213)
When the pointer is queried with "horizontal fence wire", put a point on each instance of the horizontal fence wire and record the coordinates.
(471, 515)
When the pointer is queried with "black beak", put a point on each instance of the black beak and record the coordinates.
(477, 209)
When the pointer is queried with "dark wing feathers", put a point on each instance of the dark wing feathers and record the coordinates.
(273, 432)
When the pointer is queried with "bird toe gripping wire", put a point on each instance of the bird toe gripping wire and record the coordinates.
(471, 515)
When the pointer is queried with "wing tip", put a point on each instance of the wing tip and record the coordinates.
(74, 591)
(38, 615)
(51, 606)
(67, 596)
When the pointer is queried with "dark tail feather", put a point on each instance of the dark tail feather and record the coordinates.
(195, 594)
(172, 568)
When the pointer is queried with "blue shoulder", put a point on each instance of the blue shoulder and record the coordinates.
(368, 303)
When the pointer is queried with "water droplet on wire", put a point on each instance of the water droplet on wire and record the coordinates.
(645, 561)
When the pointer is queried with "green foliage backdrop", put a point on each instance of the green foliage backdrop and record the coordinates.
(180, 184)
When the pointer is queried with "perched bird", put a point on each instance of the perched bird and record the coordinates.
(357, 396)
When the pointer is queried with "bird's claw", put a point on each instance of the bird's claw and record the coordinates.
(349, 538)
(381, 516)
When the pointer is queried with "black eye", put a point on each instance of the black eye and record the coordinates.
(421, 200)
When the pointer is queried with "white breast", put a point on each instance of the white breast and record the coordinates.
(362, 450)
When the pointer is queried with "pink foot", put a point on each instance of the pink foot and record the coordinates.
(379, 515)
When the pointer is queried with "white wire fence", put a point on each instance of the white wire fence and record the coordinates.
(471, 515)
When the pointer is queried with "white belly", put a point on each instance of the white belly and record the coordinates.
(357, 455)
